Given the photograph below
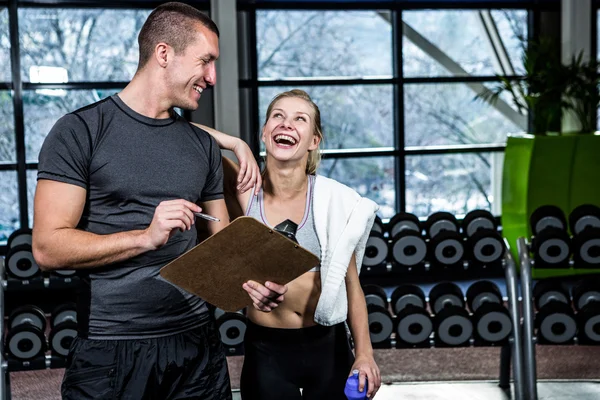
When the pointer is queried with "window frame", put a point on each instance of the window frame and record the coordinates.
(400, 151)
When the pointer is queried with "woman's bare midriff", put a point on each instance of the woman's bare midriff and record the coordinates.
(298, 307)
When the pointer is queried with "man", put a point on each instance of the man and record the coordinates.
(119, 182)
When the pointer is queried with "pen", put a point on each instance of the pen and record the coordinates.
(206, 216)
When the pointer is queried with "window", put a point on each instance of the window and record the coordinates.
(332, 47)
(403, 125)
(5, 73)
(85, 45)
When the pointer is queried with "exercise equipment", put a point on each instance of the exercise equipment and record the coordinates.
(445, 294)
(378, 225)
(586, 248)
(413, 323)
(451, 323)
(491, 320)
(20, 263)
(404, 222)
(232, 328)
(381, 326)
(485, 247)
(375, 295)
(408, 249)
(476, 220)
(439, 222)
(547, 216)
(25, 339)
(584, 216)
(376, 254)
(19, 237)
(446, 249)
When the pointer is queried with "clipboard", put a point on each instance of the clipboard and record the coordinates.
(245, 250)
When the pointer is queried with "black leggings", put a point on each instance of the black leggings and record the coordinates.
(278, 362)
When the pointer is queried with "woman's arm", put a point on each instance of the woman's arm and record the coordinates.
(248, 175)
(358, 321)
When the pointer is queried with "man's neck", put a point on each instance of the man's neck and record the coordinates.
(143, 96)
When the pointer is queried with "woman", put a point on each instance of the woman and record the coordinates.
(303, 343)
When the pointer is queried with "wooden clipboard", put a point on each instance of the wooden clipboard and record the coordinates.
(245, 250)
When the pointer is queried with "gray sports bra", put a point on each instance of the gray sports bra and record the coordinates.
(306, 233)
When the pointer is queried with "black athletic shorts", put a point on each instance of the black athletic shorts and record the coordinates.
(189, 365)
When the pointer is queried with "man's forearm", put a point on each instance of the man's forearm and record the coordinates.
(69, 248)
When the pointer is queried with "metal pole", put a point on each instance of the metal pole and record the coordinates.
(510, 271)
(3, 364)
(505, 367)
(528, 335)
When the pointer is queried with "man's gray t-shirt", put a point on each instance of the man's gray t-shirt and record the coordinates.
(128, 164)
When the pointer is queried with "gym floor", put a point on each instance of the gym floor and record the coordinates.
(565, 373)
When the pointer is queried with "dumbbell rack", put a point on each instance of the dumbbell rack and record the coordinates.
(529, 336)
(512, 348)
(45, 361)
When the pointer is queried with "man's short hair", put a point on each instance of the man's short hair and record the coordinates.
(172, 23)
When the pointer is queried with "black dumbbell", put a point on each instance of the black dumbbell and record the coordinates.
(381, 326)
(482, 292)
(492, 324)
(61, 337)
(232, 328)
(446, 249)
(586, 248)
(555, 323)
(552, 248)
(476, 220)
(485, 247)
(452, 327)
(375, 295)
(413, 322)
(376, 253)
(548, 290)
(63, 321)
(404, 295)
(408, 249)
(439, 222)
(404, 222)
(63, 313)
(25, 339)
(445, 294)
(378, 225)
(19, 237)
(64, 272)
(584, 292)
(548, 216)
(20, 263)
(491, 319)
(584, 216)
(588, 323)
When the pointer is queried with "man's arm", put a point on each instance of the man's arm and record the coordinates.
(57, 244)
(249, 172)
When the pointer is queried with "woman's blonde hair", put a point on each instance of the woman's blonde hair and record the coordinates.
(314, 157)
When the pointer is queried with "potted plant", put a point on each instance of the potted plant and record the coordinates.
(546, 165)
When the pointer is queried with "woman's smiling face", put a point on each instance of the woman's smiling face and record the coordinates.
(288, 133)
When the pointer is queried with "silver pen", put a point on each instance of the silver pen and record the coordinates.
(206, 216)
